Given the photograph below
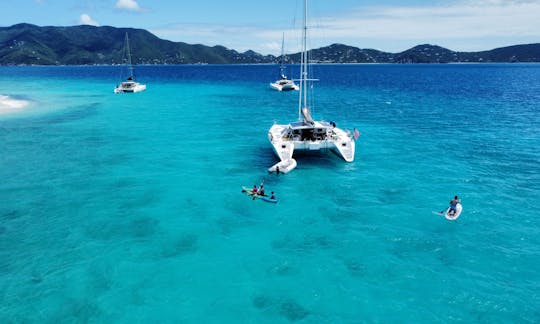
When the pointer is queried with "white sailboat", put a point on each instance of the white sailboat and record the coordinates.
(283, 84)
(130, 85)
(307, 134)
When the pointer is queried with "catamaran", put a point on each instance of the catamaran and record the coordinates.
(129, 86)
(307, 134)
(283, 84)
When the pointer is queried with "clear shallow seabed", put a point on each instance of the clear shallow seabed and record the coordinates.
(127, 208)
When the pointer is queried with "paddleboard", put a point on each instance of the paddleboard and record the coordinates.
(247, 191)
(455, 216)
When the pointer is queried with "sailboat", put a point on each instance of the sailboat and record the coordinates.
(129, 85)
(283, 84)
(307, 134)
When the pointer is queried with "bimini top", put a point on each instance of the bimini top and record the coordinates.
(303, 124)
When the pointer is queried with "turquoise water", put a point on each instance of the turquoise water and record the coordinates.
(127, 208)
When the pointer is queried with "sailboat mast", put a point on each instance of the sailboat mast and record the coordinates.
(281, 67)
(302, 98)
(130, 67)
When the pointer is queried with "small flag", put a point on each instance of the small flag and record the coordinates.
(356, 134)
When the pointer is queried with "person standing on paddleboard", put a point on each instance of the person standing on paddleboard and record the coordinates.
(453, 205)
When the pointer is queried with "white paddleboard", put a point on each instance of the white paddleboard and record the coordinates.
(455, 216)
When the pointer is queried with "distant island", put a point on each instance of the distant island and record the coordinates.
(26, 44)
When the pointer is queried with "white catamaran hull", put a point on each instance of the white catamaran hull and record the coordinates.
(125, 87)
(284, 86)
(129, 85)
(307, 134)
(286, 139)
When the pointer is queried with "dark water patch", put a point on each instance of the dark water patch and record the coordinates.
(100, 278)
(228, 224)
(10, 214)
(238, 217)
(117, 158)
(412, 248)
(391, 196)
(69, 114)
(6, 267)
(94, 140)
(293, 311)
(262, 302)
(356, 268)
(124, 183)
(282, 269)
(306, 244)
(284, 307)
(144, 199)
(78, 311)
(143, 227)
(36, 277)
(84, 96)
(184, 244)
(139, 228)
(338, 215)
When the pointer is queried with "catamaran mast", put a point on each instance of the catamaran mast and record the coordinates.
(281, 65)
(130, 67)
(302, 98)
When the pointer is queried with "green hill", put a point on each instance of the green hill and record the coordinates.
(30, 44)
(79, 45)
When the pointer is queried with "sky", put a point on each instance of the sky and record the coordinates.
(387, 25)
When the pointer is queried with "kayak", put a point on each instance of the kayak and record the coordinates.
(249, 192)
(265, 197)
(269, 200)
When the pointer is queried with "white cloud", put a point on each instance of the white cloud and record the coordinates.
(463, 25)
(85, 19)
(238, 37)
(233, 37)
(131, 5)
(462, 22)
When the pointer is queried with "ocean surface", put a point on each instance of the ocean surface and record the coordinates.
(128, 208)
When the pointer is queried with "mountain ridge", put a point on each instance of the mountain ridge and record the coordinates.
(27, 44)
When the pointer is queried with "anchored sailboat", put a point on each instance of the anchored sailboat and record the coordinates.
(307, 134)
(129, 85)
(283, 84)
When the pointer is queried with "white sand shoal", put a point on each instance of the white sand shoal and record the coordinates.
(11, 105)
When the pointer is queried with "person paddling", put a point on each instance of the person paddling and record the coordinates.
(453, 205)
